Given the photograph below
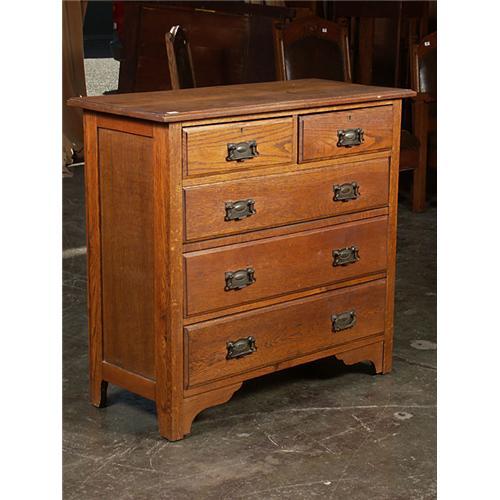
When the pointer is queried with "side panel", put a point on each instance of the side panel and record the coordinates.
(126, 218)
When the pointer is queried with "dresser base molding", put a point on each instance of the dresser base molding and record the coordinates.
(133, 382)
(199, 399)
(194, 405)
(371, 352)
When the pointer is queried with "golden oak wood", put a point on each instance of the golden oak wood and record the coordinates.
(232, 100)
(128, 125)
(127, 255)
(160, 319)
(97, 385)
(206, 146)
(281, 169)
(319, 132)
(133, 382)
(374, 352)
(367, 349)
(276, 114)
(168, 281)
(282, 230)
(282, 331)
(391, 241)
(285, 198)
(282, 298)
(283, 264)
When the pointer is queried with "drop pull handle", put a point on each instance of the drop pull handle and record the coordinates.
(236, 280)
(241, 347)
(345, 256)
(241, 151)
(346, 192)
(349, 137)
(237, 210)
(343, 321)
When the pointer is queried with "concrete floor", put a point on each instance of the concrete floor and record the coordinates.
(320, 430)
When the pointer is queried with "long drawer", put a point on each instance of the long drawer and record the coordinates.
(249, 204)
(243, 273)
(243, 342)
(342, 133)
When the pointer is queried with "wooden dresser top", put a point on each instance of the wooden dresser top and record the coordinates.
(212, 102)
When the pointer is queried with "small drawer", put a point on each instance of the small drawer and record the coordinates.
(342, 133)
(211, 149)
(247, 272)
(250, 204)
(243, 342)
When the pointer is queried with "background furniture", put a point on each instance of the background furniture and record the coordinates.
(231, 42)
(73, 81)
(311, 47)
(414, 146)
(381, 35)
(180, 61)
(230, 238)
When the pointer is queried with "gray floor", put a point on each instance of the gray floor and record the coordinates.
(321, 430)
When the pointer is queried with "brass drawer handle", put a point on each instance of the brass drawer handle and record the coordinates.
(346, 192)
(344, 256)
(343, 321)
(236, 280)
(350, 137)
(237, 210)
(241, 151)
(240, 347)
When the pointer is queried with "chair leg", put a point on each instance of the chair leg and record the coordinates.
(420, 173)
(419, 188)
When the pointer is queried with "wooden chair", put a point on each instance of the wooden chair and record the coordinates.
(311, 47)
(180, 62)
(415, 146)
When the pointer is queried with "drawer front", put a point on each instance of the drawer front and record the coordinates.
(285, 331)
(247, 272)
(249, 204)
(211, 149)
(342, 133)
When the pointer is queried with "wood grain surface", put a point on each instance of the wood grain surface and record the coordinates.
(97, 384)
(283, 264)
(206, 146)
(392, 240)
(318, 132)
(231, 100)
(126, 189)
(282, 331)
(159, 247)
(284, 198)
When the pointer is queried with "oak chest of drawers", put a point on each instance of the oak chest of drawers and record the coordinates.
(235, 231)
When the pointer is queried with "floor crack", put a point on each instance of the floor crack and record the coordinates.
(414, 363)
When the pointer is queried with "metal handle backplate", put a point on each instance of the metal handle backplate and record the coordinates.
(346, 192)
(241, 151)
(344, 256)
(236, 280)
(240, 347)
(237, 210)
(343, 321)
(350, 137)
